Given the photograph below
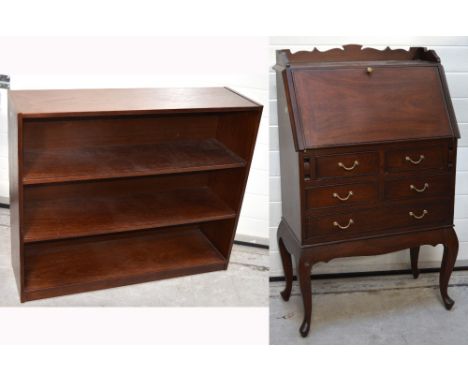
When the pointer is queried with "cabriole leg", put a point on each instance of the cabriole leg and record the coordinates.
(414, 253)
(304, 267)
(448, 262)
(287, 267)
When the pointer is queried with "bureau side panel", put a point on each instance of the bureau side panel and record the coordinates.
(289, 162)
(14, 150)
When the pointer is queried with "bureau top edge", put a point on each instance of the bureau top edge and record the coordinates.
(352, 53)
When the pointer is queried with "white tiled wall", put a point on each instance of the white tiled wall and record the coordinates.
(3, 147)
(453, 52)
(152, 62)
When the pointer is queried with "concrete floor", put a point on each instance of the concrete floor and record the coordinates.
(245, 283)
(373, 310)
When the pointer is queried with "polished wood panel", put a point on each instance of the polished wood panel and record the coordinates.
(87, 264)
(342, 107)
(292, 166)
(373, 134)
(342, 195)
(63, 165)
(88, 214)
(418, 187)
(417, 158)
(74, 102)
(349, 164)
(59, 133)
(414, 215)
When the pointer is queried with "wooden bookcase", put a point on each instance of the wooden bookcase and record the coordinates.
(115, 187)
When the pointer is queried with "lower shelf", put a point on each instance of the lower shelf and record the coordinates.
(86, 214)
(73, 266)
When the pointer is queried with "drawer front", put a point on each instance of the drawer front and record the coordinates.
(418, 187)
(409, 215)
(364, 163)
(417, 158)
(342, 195)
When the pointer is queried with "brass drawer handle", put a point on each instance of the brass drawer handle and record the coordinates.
(336, 224)
(413, 187)
(355, 164)
(350, 193)
(421, 158)
(416, 216)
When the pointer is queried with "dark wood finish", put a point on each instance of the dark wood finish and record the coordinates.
(354, 52)
(347, 165)
(87, 214)
(418, 187)
(448, 262)
(374, 139)
(121, 186)
(371, 101)
(288, 269)
(86, 264)
(414, 254)
(417, 158)
(119, 161)
(386, 218)
(98, 102)
(342, 195)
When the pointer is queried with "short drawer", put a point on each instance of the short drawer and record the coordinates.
(363, 163)
(406, 215)
(417, 158)
(418, 187)
(342, 195)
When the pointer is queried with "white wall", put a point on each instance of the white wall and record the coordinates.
(453, 52)
(240, 63)
(3, 146)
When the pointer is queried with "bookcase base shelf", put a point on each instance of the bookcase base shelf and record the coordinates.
(79, 265)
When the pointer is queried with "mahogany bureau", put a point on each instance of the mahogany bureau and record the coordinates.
(110, 187)
(368, 144)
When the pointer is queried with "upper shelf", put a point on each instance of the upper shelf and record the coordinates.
(177, 156)
(75, 102)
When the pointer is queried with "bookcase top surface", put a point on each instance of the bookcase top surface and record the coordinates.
(42, 103)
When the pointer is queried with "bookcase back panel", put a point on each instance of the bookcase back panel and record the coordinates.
(114, 187)
(221, 235)
(60, 133)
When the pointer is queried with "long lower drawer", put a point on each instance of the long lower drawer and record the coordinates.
(408, 215)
